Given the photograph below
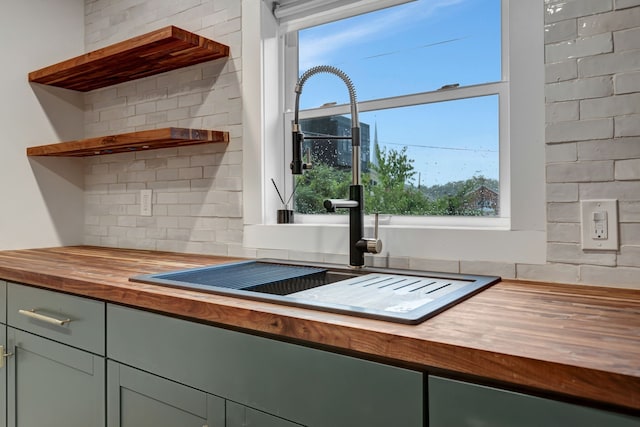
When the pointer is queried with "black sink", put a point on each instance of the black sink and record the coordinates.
(385, 294)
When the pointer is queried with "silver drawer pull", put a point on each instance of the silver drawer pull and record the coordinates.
(34, 315)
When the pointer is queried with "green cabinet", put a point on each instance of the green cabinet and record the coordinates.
(139, 399)
(56, 368)
(3, 376)
(242, 416)
(459, 404)
(52, 384)
(3, 352)
(298, 384)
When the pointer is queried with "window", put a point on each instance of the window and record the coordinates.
(428, 76)
(516, 235)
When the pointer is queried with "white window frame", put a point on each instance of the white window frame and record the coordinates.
(519, 236)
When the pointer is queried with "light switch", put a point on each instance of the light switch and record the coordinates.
(145, 202)
(599, 224)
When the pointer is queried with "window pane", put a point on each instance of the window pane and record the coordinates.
(416, 47)
(431, 159)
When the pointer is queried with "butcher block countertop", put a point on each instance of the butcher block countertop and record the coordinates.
(579, 341)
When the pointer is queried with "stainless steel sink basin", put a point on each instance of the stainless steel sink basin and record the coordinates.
(393, 295)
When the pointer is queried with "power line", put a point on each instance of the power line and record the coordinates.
(440, 148)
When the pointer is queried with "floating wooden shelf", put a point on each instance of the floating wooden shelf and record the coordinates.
(127, 142)
(153, 53)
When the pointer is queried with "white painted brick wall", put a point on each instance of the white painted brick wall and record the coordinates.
(593, 149)
(196, 190)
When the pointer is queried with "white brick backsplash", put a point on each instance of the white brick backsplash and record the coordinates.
(175, 175)
(388, 261)
(145, 108)
(562, 111)
(571, 253)
(627, 125)
(606, 276)
(562, 192)
(629, 211)
(591, 151)
(579, 130)
(608, 22)
(627, 82)
(594, 87)
(578, 48)
(620, 148)
(581, 171)
(563, 212)
(610, 106)
(560, 71)
(622, 4)
(563, 232)
(629, 256)
(559, 273)
(630, 234)
(628, 39)
(610, 63)
(178, 210)
(561, 31)
(621, 190)
(561, 152)
(558, 10)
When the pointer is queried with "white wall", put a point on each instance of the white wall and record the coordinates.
(41, 199)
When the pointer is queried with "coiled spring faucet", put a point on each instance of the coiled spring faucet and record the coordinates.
(358, 245)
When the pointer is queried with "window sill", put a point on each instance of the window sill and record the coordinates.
(441, 243)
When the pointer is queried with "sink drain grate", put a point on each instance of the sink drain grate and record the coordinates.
(249, 275)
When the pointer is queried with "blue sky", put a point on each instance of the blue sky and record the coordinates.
(417, 47)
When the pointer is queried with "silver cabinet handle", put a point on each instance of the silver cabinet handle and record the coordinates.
(35, 315)
(3, 355)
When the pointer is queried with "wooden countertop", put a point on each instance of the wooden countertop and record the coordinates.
(580, 341)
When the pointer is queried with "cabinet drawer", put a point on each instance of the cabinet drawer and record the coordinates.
(68, 319)
(307, 386)
(456, 403)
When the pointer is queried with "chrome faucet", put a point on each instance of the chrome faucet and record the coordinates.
(358, 245)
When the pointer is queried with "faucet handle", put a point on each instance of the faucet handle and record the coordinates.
(374, 245)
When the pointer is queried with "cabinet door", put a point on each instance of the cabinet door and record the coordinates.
(242, 416)
(3, 376)
(304, 385)
(139, 399)
(51, 384)
(459, 404)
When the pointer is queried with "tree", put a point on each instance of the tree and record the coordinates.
(455, 198)
(320, 183)
(388, 188)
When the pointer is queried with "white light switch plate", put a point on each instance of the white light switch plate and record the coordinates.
(145, 202)
(599, 224)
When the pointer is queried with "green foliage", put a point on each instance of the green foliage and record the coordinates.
(459, 187)
(388, 189)
(320, 183)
